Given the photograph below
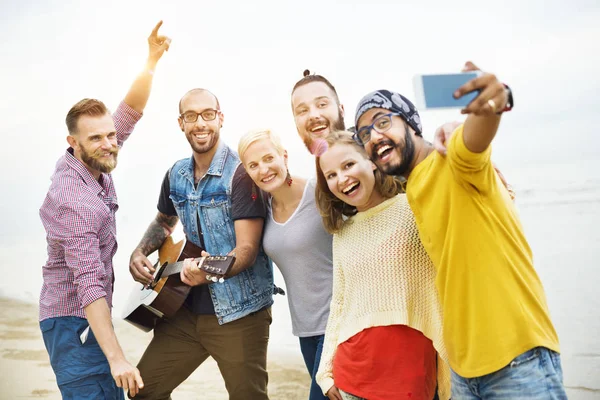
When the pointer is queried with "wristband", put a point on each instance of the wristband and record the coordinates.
(510, 103)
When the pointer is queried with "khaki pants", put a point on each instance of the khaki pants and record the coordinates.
(183, 342)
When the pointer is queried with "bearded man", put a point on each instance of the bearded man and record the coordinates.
(78, 214)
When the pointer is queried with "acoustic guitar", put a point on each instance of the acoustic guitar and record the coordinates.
(166, 294)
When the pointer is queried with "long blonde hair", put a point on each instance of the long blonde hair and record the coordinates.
(331, 208)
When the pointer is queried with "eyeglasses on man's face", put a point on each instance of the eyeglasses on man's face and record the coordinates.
(192, 116)
(381, 125)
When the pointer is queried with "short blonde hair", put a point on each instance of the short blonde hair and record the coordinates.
(256, 135)
(333, 210)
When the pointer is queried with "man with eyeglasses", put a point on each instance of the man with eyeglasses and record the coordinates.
(500, 340)
(217, 204)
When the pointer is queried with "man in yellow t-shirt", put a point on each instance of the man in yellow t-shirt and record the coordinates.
(500, 339)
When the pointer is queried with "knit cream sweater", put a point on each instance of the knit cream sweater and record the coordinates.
(382, 276)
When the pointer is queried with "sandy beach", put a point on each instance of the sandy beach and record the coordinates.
(25, 371)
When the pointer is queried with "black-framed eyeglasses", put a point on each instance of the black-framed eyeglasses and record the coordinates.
(381, 125)
(192, 116)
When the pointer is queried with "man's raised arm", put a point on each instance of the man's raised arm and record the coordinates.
(138, 94)
(483, 121)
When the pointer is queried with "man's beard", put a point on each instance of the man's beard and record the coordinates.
(406, 156)
(200, 149)
(315, 145)
(95, 160)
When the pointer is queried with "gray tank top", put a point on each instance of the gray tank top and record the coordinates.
(301, 249)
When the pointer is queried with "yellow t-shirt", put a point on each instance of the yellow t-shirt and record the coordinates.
(493, 302)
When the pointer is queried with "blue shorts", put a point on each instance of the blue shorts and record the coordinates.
(82, 370)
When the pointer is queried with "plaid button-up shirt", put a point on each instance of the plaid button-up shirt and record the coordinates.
(79, 217)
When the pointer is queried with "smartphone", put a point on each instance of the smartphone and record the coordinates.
(436, 91)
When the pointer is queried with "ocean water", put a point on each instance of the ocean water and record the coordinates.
(560, 210)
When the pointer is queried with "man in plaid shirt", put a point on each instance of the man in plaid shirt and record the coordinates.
(78, 214)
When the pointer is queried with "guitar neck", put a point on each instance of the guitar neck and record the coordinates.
(170, 269)
(212, 264)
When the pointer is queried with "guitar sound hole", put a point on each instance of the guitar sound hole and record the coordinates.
(160, 272)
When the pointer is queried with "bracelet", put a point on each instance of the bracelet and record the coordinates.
(510, 103)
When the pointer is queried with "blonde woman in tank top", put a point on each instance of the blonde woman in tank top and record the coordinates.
(384, 334)
(295, 239)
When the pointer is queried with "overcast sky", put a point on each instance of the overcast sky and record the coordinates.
(250, 54)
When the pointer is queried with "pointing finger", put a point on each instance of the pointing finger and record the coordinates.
(155, 30)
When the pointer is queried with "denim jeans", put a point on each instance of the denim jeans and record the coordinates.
(82, 370)
(348, 396)
(311, 348)
(535, 374)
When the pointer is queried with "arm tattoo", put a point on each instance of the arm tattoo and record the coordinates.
(157, 232)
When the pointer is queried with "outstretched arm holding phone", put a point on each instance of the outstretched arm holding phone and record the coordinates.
(483, 120)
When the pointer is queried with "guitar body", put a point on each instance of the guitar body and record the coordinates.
(167, 294)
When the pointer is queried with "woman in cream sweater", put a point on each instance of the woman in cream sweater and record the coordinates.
(384, 333)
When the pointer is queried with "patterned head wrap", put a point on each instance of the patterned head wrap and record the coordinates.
(394, 102)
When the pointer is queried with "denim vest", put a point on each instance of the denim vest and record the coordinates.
(250, 290)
